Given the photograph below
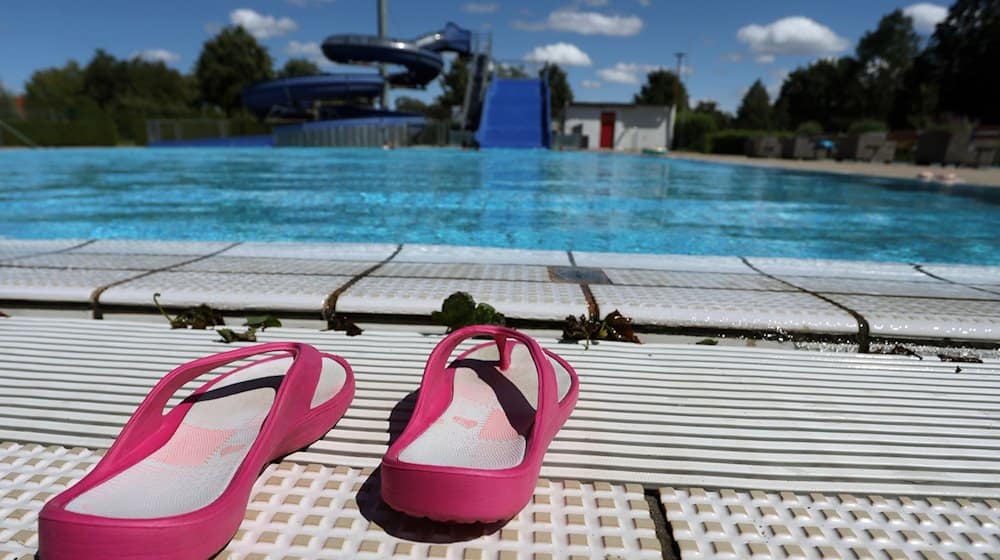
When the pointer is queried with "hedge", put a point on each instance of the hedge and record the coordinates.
(734, 141)
(98, 132)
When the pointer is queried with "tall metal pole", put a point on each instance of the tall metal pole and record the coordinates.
(677, 94)
(383, 33)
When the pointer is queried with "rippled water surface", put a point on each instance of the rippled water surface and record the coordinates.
(527, 199)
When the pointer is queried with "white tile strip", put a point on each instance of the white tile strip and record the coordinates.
(691, 263)
(309, 511)
(887, 287)
(14, 248)
(927, 318)
(271, 265)
(836, 268)
(96, 261)
(320, 251)
(966, 274)
(725, 309)
(55, 285)
(654, 414)
(511, 272)
(421, 296)
(262, 292)
(694, 279)
(144, 247)
(762, 525)
(480, 255)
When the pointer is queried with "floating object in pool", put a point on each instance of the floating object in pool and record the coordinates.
(661, 151)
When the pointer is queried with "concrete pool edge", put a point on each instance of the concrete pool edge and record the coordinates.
(857, 302)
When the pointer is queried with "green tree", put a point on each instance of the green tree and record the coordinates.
(963, 54)
(453, 84)
(103, 79)
(885, 55)
(57, 93)
(663, 88)
(229, 62)
(826, 91)
(755, 109)
(721, 118)
(411, 104)
(295, 67)
(560, 92)
(7, 107)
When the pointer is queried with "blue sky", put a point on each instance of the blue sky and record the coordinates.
(606, 45)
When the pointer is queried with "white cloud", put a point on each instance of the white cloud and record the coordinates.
(590, 84)
(794, 35)
(732, 57)
(626, 72)
(559, 53)
(585, 23)
(926, 16)
(262, 26)
(157, 55)
(310, 50)
(778, 76)
(480, 7)
(645, 3)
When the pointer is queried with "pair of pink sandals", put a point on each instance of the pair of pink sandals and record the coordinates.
(176, 485)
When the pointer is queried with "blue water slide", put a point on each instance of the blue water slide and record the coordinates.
(515, 114)
(420, 58)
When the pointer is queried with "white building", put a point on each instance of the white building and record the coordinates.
(621, 126)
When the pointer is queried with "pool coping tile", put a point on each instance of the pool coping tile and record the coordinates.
(251, 292)
(321, 251)
(20, 248)
(646, 261)
(932, 318)
(152, 247)
(449, 254)
(45, 285)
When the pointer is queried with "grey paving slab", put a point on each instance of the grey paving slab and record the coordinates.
(692, 263)
(725, 309)
(966, 274)
(886, 287)
(512, 272)
(153, 247)
(421, 296)
(55, 285)
(324, 251)
(271, 265)
(264, 292)
(15, 248)
(838, 268)
(480, 255)
(926, 317)
(687, 279)
(97, 261)
(754, 524)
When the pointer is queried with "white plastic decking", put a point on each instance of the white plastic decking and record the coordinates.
(827, 454)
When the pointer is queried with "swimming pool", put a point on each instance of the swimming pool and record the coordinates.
(526, 199)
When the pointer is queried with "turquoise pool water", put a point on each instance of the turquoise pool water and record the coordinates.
(527, 199)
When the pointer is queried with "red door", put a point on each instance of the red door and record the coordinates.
(608, 129)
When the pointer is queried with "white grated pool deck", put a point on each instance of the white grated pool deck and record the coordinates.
(808, 299)
(776, 429)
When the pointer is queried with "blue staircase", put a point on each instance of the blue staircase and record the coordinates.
(515, 115)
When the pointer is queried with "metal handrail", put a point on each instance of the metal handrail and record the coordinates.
(18, 134)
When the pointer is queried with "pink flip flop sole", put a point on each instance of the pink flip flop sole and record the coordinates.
(176, 485)
(473, 448)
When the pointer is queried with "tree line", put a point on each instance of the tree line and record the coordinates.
(894, 80)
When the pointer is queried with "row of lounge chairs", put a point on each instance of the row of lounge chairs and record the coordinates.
(932, 147)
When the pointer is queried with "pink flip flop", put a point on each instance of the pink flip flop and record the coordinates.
(176, 485)
(474, 446)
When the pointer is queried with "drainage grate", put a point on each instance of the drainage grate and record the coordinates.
(578, 275)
